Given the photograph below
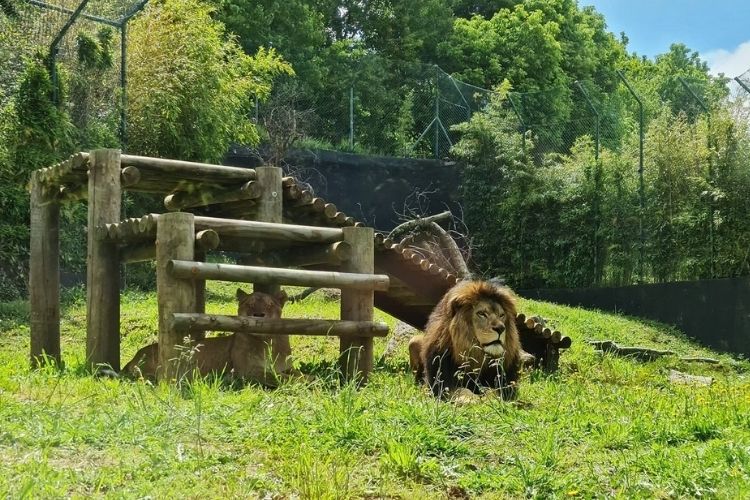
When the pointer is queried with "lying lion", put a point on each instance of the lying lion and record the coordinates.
(470, 343)
(246, 356)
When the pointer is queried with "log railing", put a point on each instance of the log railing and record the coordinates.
(192, 322)
(273, 275)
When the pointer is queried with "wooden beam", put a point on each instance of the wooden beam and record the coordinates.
(103, 262)
(201, 198)
(130, 176)
(144, 228)
(175, 237)
(332, 254)
(270, 210)
(269, 231)
(205, 241)
(246, 324)
(187, 170)
(271, 275)
(44, 277)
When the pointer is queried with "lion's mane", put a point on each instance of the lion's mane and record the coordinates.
(445, 357)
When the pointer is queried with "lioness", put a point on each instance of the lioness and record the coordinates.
(246, 356)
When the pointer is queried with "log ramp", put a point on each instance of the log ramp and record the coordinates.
(273, 222)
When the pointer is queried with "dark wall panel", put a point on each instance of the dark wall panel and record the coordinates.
(715, 312)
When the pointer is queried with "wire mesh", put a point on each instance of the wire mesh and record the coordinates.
(54, 32)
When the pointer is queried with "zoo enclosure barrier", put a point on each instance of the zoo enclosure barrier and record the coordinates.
(68, 33)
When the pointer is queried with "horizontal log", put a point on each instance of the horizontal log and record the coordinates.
(332, 254)
(565, 342)
(187, 170)
(144, 251)
(192, 322)
(200, 198)
(206, 240)
(270, 231)
(144, 228)
(138, 252)
(269, 275)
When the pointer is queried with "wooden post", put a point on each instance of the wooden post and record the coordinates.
(175, 238)
(103, 263)
(44, 276)
(270, 209)
(356, 356)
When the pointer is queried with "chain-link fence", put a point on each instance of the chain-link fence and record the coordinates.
(84, 44)
(405, 110)
(634, 228)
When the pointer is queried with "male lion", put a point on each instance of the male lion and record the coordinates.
(470, 342)
(244, 356)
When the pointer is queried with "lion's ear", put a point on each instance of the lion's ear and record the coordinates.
(281, 297)
(241, 294)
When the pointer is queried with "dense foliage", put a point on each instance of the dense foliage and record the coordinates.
(575, 219)
(191, 86)
(560, 139)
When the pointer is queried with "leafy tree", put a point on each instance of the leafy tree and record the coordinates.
(658, 81)
(296, 29)
(401, 30)
(485, 8)
(190, 85)
(34, 133)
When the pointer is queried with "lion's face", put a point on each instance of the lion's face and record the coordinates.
(482, 325)
(488, 325)
(260, 305)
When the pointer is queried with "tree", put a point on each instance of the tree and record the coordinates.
(190, 85)
(296, 29)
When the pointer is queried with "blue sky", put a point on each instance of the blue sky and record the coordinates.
(718, 29)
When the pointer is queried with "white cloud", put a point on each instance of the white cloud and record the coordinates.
(732, 63)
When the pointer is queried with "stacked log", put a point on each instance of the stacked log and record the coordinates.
(70, 172)
(541, 341)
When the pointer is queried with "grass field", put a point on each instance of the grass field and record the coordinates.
(602, 426)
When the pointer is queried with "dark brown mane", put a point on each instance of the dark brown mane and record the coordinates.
(449, 336)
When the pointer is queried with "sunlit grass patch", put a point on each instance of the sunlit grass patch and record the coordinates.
(601, 426)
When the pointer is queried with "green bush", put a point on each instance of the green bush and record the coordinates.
(190, 84)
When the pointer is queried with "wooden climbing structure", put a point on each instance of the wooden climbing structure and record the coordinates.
(283, 233)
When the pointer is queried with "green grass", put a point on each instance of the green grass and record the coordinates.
(602, 426)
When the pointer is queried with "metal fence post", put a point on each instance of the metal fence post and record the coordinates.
(742, 84)
(520, 121)
(641, 185)
(55, 47)
(437, 112)
(711, 228)
(351, 117)
(595, 202)
(123, 25)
